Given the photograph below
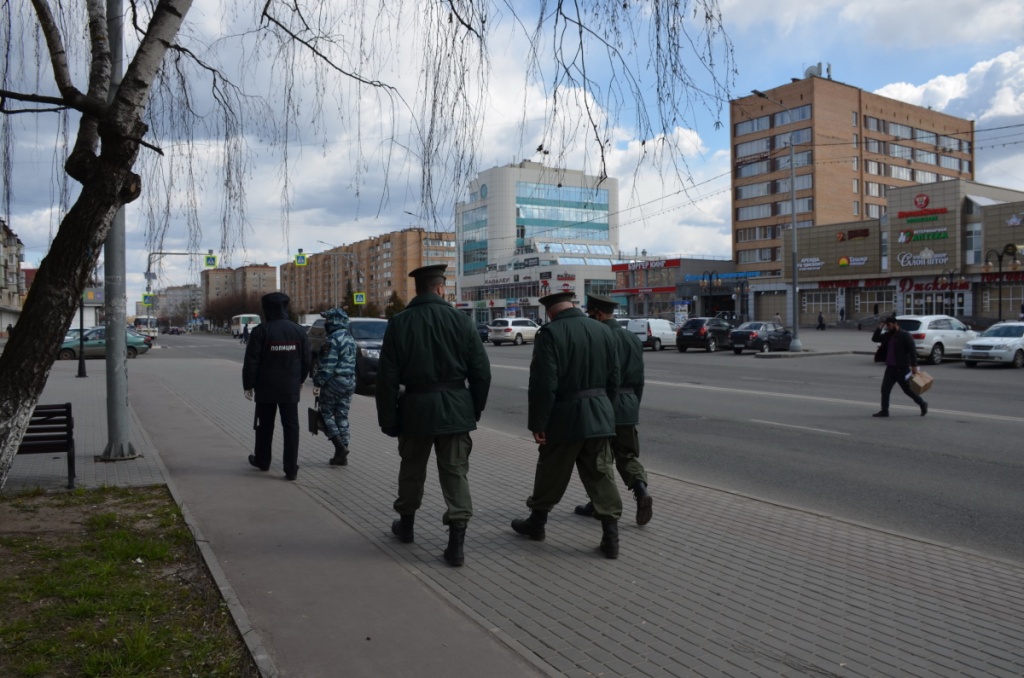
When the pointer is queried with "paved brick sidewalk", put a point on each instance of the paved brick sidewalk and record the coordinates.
(716, 585)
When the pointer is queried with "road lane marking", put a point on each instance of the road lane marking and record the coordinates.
(805, 428)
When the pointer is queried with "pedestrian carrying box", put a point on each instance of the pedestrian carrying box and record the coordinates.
(921, 382)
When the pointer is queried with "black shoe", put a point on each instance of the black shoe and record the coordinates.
(644, 503)
(532, 527)
(290, 476)
(610, 538)
(456, 539)
(924, 408)
(585, 509)
(403, 528)
(340, 457)
(252, 462)
(881, 413)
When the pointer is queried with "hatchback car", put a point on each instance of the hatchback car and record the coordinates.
(758, 335)
(936, 336)
(1002, 343)
(705, 333)
(512, 330)
(95, 345)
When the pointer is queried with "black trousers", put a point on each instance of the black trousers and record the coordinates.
(265, 414)
(893, 376)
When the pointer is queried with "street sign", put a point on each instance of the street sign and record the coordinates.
(359, 297)
(210, 260)
(300, 260)
(147, 299)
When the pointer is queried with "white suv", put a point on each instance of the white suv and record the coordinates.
(936, 336)
(1001, 343)
(513, 330)
(654, 333)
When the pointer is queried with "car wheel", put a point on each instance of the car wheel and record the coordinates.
(132, 352)
(712, 345)
(681, 349)
(935, 357)
(737, 351)
(656, 345)
(972, 363)
(66, 354)
(766, 347)
(518, 341)
(1018, 360)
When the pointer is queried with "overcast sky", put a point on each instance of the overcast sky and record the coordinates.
(966, 59)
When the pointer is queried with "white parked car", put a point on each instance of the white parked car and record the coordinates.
(512, 330)
(1001, 343)
(654, 333)
(936, 336)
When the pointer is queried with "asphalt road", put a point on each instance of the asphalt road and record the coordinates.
(799, 432)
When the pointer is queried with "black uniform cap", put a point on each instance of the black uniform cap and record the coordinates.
(432, 271)
(556, 298)
(890, 319)
(596, 302)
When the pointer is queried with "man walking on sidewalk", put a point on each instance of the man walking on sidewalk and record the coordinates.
(334, 381)
(574, 375)
(432, 350)
(276, 365)
(626, 443)
(899, 353)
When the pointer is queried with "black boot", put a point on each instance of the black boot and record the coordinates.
(402, 528)
(456, 538)
(585, 509)
(644, 503)
(340, 457)
(532, 527)
(610, 538)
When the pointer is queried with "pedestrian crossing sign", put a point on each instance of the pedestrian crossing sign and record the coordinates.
(359, 297)
(147, 299)
(210, 260)
(300, 259)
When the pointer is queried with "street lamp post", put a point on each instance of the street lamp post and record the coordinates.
(795, 346)
(708, 281)
(1009, 250)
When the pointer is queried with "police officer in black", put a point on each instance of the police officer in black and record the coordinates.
(626, 443)
(277, 361)
(574, 374)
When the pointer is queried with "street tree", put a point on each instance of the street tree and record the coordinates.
(241, 75)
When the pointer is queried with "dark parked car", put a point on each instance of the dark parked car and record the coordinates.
(95, 344)
(369, 336)
(762, 336)
(705, 333)
(484, 330)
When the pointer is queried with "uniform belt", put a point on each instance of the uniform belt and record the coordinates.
(418, 389)
(580, 395)
(625, 390)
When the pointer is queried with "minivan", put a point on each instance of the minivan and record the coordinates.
(654, 333)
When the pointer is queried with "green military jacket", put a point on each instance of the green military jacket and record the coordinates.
(572, 353)
(630, 353)
(427, 345)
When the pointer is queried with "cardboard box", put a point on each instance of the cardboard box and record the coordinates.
(921, 382)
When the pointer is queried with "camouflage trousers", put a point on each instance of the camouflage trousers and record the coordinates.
(334, 407)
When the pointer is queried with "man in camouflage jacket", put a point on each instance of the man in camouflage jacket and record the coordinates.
(334, 381)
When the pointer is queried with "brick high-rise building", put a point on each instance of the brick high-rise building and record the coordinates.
(850, 148)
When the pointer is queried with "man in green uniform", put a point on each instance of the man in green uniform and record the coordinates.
(574, 374)
(626, 443)
(432, 350)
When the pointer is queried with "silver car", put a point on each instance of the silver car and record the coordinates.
(936, 336)
(1001, 343)
(512, 330)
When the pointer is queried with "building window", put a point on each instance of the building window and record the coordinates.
(927, 157)
(753, 212)
(856, 208)
(900, 172)
(873, 167)
(873, 145)
(923, 177)
(949, 143)
(965, 166)
(795, 138)
(754, 147)
(875, 190)
(949, 162)
(873, 211)
(753, 190)
(872, 124)
(750, 126)
(855, 118)
(793, 115)
(898, 151)
(856, 186)
(856, 139)
(856, 163)
(751, 169)
(924, 136)
(803, 183)
(900, 131)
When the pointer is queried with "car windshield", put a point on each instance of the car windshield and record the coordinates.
(693, 324)
(368, 331)
(1004, 331)
(499, 323)
(751, 326)
(909, 325)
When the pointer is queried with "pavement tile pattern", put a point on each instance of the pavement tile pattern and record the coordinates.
(716, 585)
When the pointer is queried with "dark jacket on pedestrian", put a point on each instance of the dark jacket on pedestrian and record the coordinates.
(277, 357)
(629, 352)
(428, 348)
(905, 347)
(573, 357)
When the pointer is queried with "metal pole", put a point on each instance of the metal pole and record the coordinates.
(795, 346)
(81, 338)
(1000, 257)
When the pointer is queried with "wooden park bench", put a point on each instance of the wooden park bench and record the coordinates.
(52, 429)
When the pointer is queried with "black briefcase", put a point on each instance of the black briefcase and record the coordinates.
(316, 420)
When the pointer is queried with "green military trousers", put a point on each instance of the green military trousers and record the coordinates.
(452, 453)
(593, 460)
(626, 448)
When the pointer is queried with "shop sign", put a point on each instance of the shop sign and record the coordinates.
(524, 301)
(480, 304)
(854, 234)
(914, 216)
(1014, 220)
(497, 281)
(646, 265)
(925, 257)
(852, 261)
(910, 235)
(544, 275)
(566, 276)
(878, 282)
(837, 284)
(908, 285)
(531, 261)
(810, 264)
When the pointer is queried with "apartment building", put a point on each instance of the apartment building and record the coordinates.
(253, 280)
(12, 279)
(839, 151)
(528, 230)
(376, 267)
